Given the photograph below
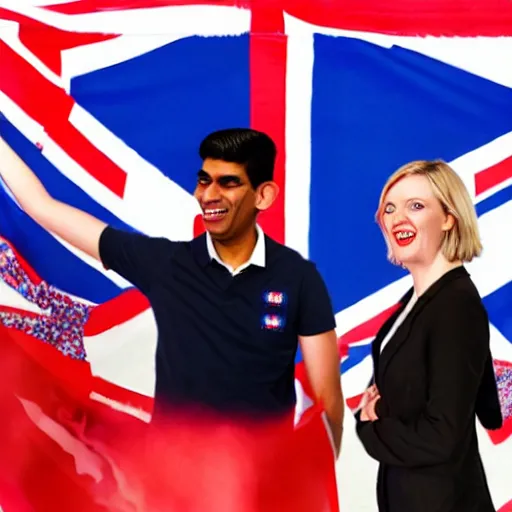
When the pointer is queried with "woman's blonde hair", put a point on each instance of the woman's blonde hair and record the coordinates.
(462, 242)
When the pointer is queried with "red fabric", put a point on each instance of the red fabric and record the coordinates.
(466, 18)
(191, 462)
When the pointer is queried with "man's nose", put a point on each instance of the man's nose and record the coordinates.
(211, 193)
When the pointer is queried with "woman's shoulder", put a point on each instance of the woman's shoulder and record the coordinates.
(458, 299)
(461, 289)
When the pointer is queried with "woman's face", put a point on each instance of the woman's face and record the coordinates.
(414, 221)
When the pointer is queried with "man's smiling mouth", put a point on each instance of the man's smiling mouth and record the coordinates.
(213, 214)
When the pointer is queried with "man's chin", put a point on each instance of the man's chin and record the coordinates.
(217, 233)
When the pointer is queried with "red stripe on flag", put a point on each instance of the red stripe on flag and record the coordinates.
(367, 330)
(87, 6)
(488, 178)
(122, 308)
(50, 106)
(37, 96)
(466, 18)
(199, 227)
(403, 17)
(507, 507)
(354, 401)
(501, 435)
(48, 44)
(268, 98)
(88, 156)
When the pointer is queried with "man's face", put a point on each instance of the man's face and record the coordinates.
(226, 198)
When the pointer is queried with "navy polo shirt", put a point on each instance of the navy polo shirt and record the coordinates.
(226, 342)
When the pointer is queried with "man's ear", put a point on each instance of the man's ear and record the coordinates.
(266, 194)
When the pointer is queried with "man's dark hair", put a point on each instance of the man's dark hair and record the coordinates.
(255, 150)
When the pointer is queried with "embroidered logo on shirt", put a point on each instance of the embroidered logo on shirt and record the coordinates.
(275, 299)
(273, 322)
(274, 310)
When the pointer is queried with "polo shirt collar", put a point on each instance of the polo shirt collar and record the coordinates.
(258, 256)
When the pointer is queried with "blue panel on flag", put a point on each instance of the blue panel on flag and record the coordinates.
(374, 109)
(495, 201)
(357, 355)
(499, 306)
(164, 102)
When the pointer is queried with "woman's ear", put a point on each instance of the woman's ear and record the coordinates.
(449, 222)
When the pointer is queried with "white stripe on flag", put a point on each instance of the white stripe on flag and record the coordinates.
(125, 354)
(299, 92)
(356, 379)
(88, 58)
(501, 348)
(198, 20)
(121, 407)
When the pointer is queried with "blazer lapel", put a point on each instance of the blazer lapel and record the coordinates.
(404, 329)
(381, 334)
(399, 337)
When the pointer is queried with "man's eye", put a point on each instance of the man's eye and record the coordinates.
(230, 182)
(203, 180)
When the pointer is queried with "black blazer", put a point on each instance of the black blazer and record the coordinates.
(434, 376)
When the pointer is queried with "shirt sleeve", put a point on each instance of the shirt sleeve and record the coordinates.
(315, 307)
(136, 257)
(458, 346)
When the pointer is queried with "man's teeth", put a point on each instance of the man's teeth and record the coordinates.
(218, 211)
(402, 235)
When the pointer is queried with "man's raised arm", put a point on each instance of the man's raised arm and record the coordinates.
(72, 225)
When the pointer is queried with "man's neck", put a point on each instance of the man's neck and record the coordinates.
(236, 252)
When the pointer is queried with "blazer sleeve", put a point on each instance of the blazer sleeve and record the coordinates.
(488, 407)
(458, 346)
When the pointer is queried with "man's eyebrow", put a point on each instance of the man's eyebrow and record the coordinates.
(202, 173)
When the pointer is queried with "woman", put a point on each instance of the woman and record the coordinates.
(433, 369)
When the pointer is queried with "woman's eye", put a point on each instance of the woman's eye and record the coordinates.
(389, 208)
(417, 206)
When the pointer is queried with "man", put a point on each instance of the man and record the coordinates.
(230, 305)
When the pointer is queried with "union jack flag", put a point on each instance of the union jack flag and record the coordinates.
(106, 100)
